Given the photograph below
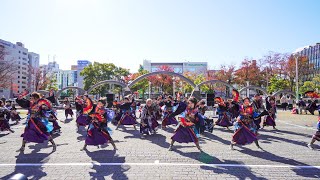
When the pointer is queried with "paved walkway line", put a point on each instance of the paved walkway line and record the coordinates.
(159, 164)
(310, 128)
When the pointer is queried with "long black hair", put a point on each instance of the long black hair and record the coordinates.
(194, 101)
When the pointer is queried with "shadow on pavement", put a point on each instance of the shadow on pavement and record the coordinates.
(135, 133)
(217, 138)
(67, 120)
(107, 156)
(158, 139)
(304, 172)
(2, 135)
(282, 132)
(203, 157)
(32, 172)
(267, 139)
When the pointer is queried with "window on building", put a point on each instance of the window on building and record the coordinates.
(19, 51)
(23, 86)
(18, 81)
(154, 69)
(24, 77)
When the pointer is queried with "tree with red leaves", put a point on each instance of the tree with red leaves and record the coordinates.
(162, 80)
(272, 65)
(248, 71)
(304, 69)
(7, 69)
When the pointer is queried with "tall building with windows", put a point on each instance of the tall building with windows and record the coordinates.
(178, 67)
(66, 78)
(81, 64)
(34, 65)
(313, 55)
(17, 54)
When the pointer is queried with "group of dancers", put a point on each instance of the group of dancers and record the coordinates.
(186, 115)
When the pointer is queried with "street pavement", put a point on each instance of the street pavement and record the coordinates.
(284, 155)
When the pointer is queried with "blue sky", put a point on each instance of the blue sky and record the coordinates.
(126, 32)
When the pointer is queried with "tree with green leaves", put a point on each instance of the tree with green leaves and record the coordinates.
(307, 86)
(316, 81)
(141, 86)
(97, 72)
(197, 79)
(51, 83)
(277, 84)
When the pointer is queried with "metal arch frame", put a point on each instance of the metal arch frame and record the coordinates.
(284, 92)
(254, 87)
(196, 91)
(216, 81)
(162, 72)
(82, 91)
(123, 85)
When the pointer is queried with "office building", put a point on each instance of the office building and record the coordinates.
(313, 55)
(18, 55)
(177, 67)
(81, 64)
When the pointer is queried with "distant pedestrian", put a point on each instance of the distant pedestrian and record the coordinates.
(290, 103)
(284, 103)
(302, 106)
(312, 106)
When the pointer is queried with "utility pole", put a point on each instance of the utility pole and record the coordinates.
(297, 79)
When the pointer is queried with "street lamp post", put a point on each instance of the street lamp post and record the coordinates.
(173, 86)
(149, 89)
(297, 79)
(248, 90)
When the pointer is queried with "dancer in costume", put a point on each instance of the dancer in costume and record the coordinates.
(98, 131)
(167, 110)
(14, 115)
(52, 113)
(208, 123)
(185, 132)
(316, 136)
(149, 122)
(84, 119)
(117, 111)
(245, 128)
(8, 105)
(4, 118)
(234, 107)
(127, 118)
(67, 108)
(79, 103)
(269, 120)
(38, 127)
(258, 108)
(158, 104)
(312, 106)
(200, 125)
(224, 119)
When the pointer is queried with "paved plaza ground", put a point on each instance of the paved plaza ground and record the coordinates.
(285, 154)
